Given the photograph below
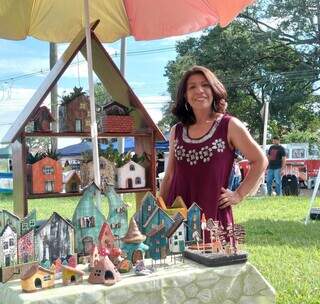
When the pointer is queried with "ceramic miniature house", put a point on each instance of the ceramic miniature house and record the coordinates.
(37, 278)
(74, 115)
(87, 220)
(147, 206)
(106, 238)
(71, 275)
(107, 173)
(8, 246)
(42, 120)
(133, 243)
(193, 221)
(177, 206)
(118, 213)
(8, 218)
(71, 181)
(45, 176)
(104, 272)
(116, 118)
(54, 239)
(177, 234)
(131, 175)
(26, 247)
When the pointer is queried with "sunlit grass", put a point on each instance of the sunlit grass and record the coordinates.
(283, 249)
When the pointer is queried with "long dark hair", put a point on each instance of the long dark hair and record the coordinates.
(184, 112)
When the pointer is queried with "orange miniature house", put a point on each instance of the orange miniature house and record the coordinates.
(46, 176)
(37, 278)
(177, 206)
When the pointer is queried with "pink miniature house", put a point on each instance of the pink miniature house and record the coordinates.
(104, 272)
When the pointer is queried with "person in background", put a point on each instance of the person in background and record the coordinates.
(202, 148)
(276, 167)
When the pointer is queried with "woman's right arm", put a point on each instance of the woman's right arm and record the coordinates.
(166, 182)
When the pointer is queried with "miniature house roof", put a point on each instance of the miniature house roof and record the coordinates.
(155, 230)
(109, 75)
(178, 220)
(41, 110)
(115, 108)
(34, 269)
(70, 174)
(72, 269)
(194, 204)
(51, 217)
(8, 226)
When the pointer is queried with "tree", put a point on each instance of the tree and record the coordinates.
(254, 66)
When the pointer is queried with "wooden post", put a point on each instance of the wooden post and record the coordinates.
(147, 145)
(20, 204)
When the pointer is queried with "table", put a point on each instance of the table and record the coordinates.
(180, 283)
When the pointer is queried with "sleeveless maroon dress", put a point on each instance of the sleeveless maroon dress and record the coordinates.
(202, 167)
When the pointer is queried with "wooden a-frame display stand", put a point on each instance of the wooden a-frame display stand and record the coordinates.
(145, 130)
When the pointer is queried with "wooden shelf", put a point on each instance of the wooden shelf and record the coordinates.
(54, 194)
(145, 133)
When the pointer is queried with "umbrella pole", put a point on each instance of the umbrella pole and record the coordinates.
(94, 129)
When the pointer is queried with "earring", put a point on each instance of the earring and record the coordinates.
(186, 106)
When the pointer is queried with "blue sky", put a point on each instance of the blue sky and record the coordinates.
(24, 65)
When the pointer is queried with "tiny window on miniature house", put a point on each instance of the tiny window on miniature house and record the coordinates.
(175, 237)
(87, 122)
(149, 208)
(25, 226)
(175, 243)
(49, 186)
(47, 170)
(138, 180)
(194, 218)
(82, 106)
(157, 249)
(11, 242)
(5, 245)
(47, 277)
(78, 126)
(180, 232)
(194, 226)
(132, 167)
(32, 223)
(102, 165)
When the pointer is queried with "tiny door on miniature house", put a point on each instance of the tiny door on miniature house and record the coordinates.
(137, 256)
(129, 183)
(87, 244)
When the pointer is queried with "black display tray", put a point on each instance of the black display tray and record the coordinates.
(215, 259)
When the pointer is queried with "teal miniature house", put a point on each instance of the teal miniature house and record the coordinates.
(147, 207)
(87, 221)
(29, 222)
(193, 220)
(157, 240)
(133, 243)
(118, 213)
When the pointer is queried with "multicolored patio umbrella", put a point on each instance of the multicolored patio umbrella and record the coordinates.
(61, 20)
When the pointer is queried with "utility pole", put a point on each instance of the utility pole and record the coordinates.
(54, 96)
(121, 140)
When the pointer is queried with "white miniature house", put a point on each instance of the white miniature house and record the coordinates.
(131, 175)
(8, 246)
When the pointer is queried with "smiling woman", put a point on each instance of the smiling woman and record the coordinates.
(202, 148)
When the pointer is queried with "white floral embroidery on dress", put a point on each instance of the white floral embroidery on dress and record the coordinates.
(192, 157)
(204, 154)
(219, 145)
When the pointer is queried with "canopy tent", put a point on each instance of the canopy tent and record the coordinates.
(78, 149)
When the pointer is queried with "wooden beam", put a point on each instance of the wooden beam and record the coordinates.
(20, 203)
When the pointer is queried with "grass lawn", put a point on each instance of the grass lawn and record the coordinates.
(282, 248)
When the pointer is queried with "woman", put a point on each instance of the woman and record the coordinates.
(202, 146)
